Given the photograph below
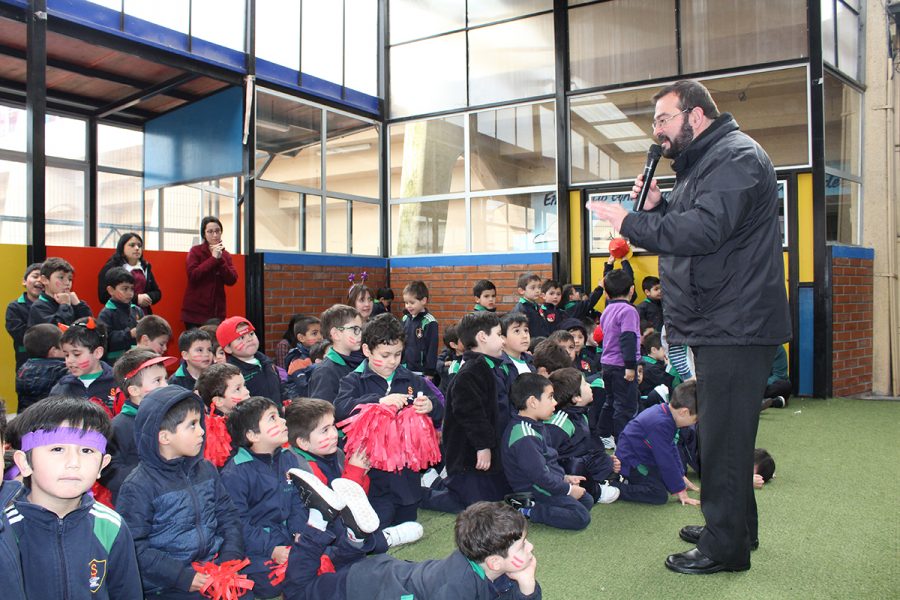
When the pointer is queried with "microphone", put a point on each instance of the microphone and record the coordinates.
(653, 156)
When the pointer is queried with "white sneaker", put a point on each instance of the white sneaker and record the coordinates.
(608, 442)
(429, 477)
(357, 514)
(608, 494)
(404, 533)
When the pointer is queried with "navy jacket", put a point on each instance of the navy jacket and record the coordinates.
(326, 378)
(119, 319)
(579, 309)
(530, 464)
(655, 373)
(365, 386)
(123, 450)
(261, 380)
(182, 377)
(117, 260)
(12, 580)
(471, 415)
(103, 388)
(298, 352)
(651, 439)
(537, 324)
(270, 509)
(36, 378)
(568, 432)
(553, 315)
(421, 349)
(86, 555)
(48, 310)
(17, 324)
(651, 310)
(177, 510)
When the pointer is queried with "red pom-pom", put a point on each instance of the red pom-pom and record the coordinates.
(619, 248)
(218, 442)
(391, 440)
(598, 335)
(277, 572)
(102, 494)
(224, 583)
(418, 439)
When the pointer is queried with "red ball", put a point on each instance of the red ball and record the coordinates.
(619, 248)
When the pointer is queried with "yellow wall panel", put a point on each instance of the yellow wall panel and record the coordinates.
(14, 258)
(805, 247)
(575, 214)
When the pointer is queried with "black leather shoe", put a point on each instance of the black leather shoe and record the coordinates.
(691, 534)
(694, 562)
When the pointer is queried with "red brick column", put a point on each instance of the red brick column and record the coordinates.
(851, 306)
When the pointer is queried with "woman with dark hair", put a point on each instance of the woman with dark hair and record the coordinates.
(130, 256)
(209, 270)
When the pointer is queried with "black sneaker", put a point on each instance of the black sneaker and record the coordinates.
(779, 402)
(357, 514)
(315, 494)
(520, 500)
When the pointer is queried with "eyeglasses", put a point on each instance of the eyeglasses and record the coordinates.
(356, 329)
(662, 121)
(213, 231)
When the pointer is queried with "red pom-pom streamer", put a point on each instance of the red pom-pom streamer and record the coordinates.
(391, 440)
(102, 494)
(218, 442)
(224, 583)
(618, 248)
(277, 571)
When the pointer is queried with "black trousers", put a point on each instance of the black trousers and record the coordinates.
(730, 382)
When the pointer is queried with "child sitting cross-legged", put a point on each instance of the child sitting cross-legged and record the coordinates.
(174, 502)
(70, 545)
(569, 433)
(381, 378)
(83, 344)
(542, 490)
(256, 480)
(493, 558)
(195, 346)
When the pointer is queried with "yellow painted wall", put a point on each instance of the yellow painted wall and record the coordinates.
(13, 258)
(576, 212)
(805, 247)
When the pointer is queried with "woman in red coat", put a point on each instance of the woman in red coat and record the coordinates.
(209, 270)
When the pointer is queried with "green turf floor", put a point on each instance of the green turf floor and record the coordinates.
(829, 521)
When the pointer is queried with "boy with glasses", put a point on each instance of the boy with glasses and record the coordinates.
(342, 325)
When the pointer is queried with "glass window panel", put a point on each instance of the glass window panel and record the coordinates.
(428, 76)
(842, 210)
(487, 11)
(13, 131)
(427, 157)
(66, 138)
(65, 207)
(514, 223)
(615, 42)
(770, 106)
(842, 126)
(734, 33)
(511, 60)
(351, 156)
(428, 228)
(336, 241)
(13, 228)
(181, 218)
(151, 220)
(322, 40)
(509, 148)
(828, 50)
(278, 32)
(312, 222)
(171, 14)
(291, 132)
(120, 148)
(366, 234)
(847, 41)
(219, 21)
(361, 49)
(412, 19)
(277, 220)
(118, 207)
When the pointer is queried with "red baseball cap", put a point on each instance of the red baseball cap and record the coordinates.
(165, 360)
(226, 332)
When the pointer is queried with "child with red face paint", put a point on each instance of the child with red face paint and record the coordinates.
(83, 345)
(221, 386)
(342, 326)
(238, 337)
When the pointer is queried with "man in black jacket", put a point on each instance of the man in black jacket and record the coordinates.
(722, 273)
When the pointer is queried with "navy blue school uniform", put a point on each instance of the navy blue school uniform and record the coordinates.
(568, 432)
(648, 449)
(394, 496)
(553, 315)
(480, 308)
(300, 353)
(47, 310)
(12, 580)
(579, 309)
(102, 386)
(655, 374)
(123, 450)
(270, 509)
(36, 378)
(537, 324)
(652, 312)
(183, 377)
(384, 577)
(88, 554)
(120, 319)
(17, 324)
(531, 465)
(177, 510)
(421, 348)
(378, 308)
(326, 378)
(260, 377)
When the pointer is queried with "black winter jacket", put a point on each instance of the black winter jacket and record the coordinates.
(720, 261)
(117, 260)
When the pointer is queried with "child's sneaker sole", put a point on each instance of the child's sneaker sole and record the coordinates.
(358, 515)
(316, 494)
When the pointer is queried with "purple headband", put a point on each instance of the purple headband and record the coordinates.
(64, 435)
(11, 473)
